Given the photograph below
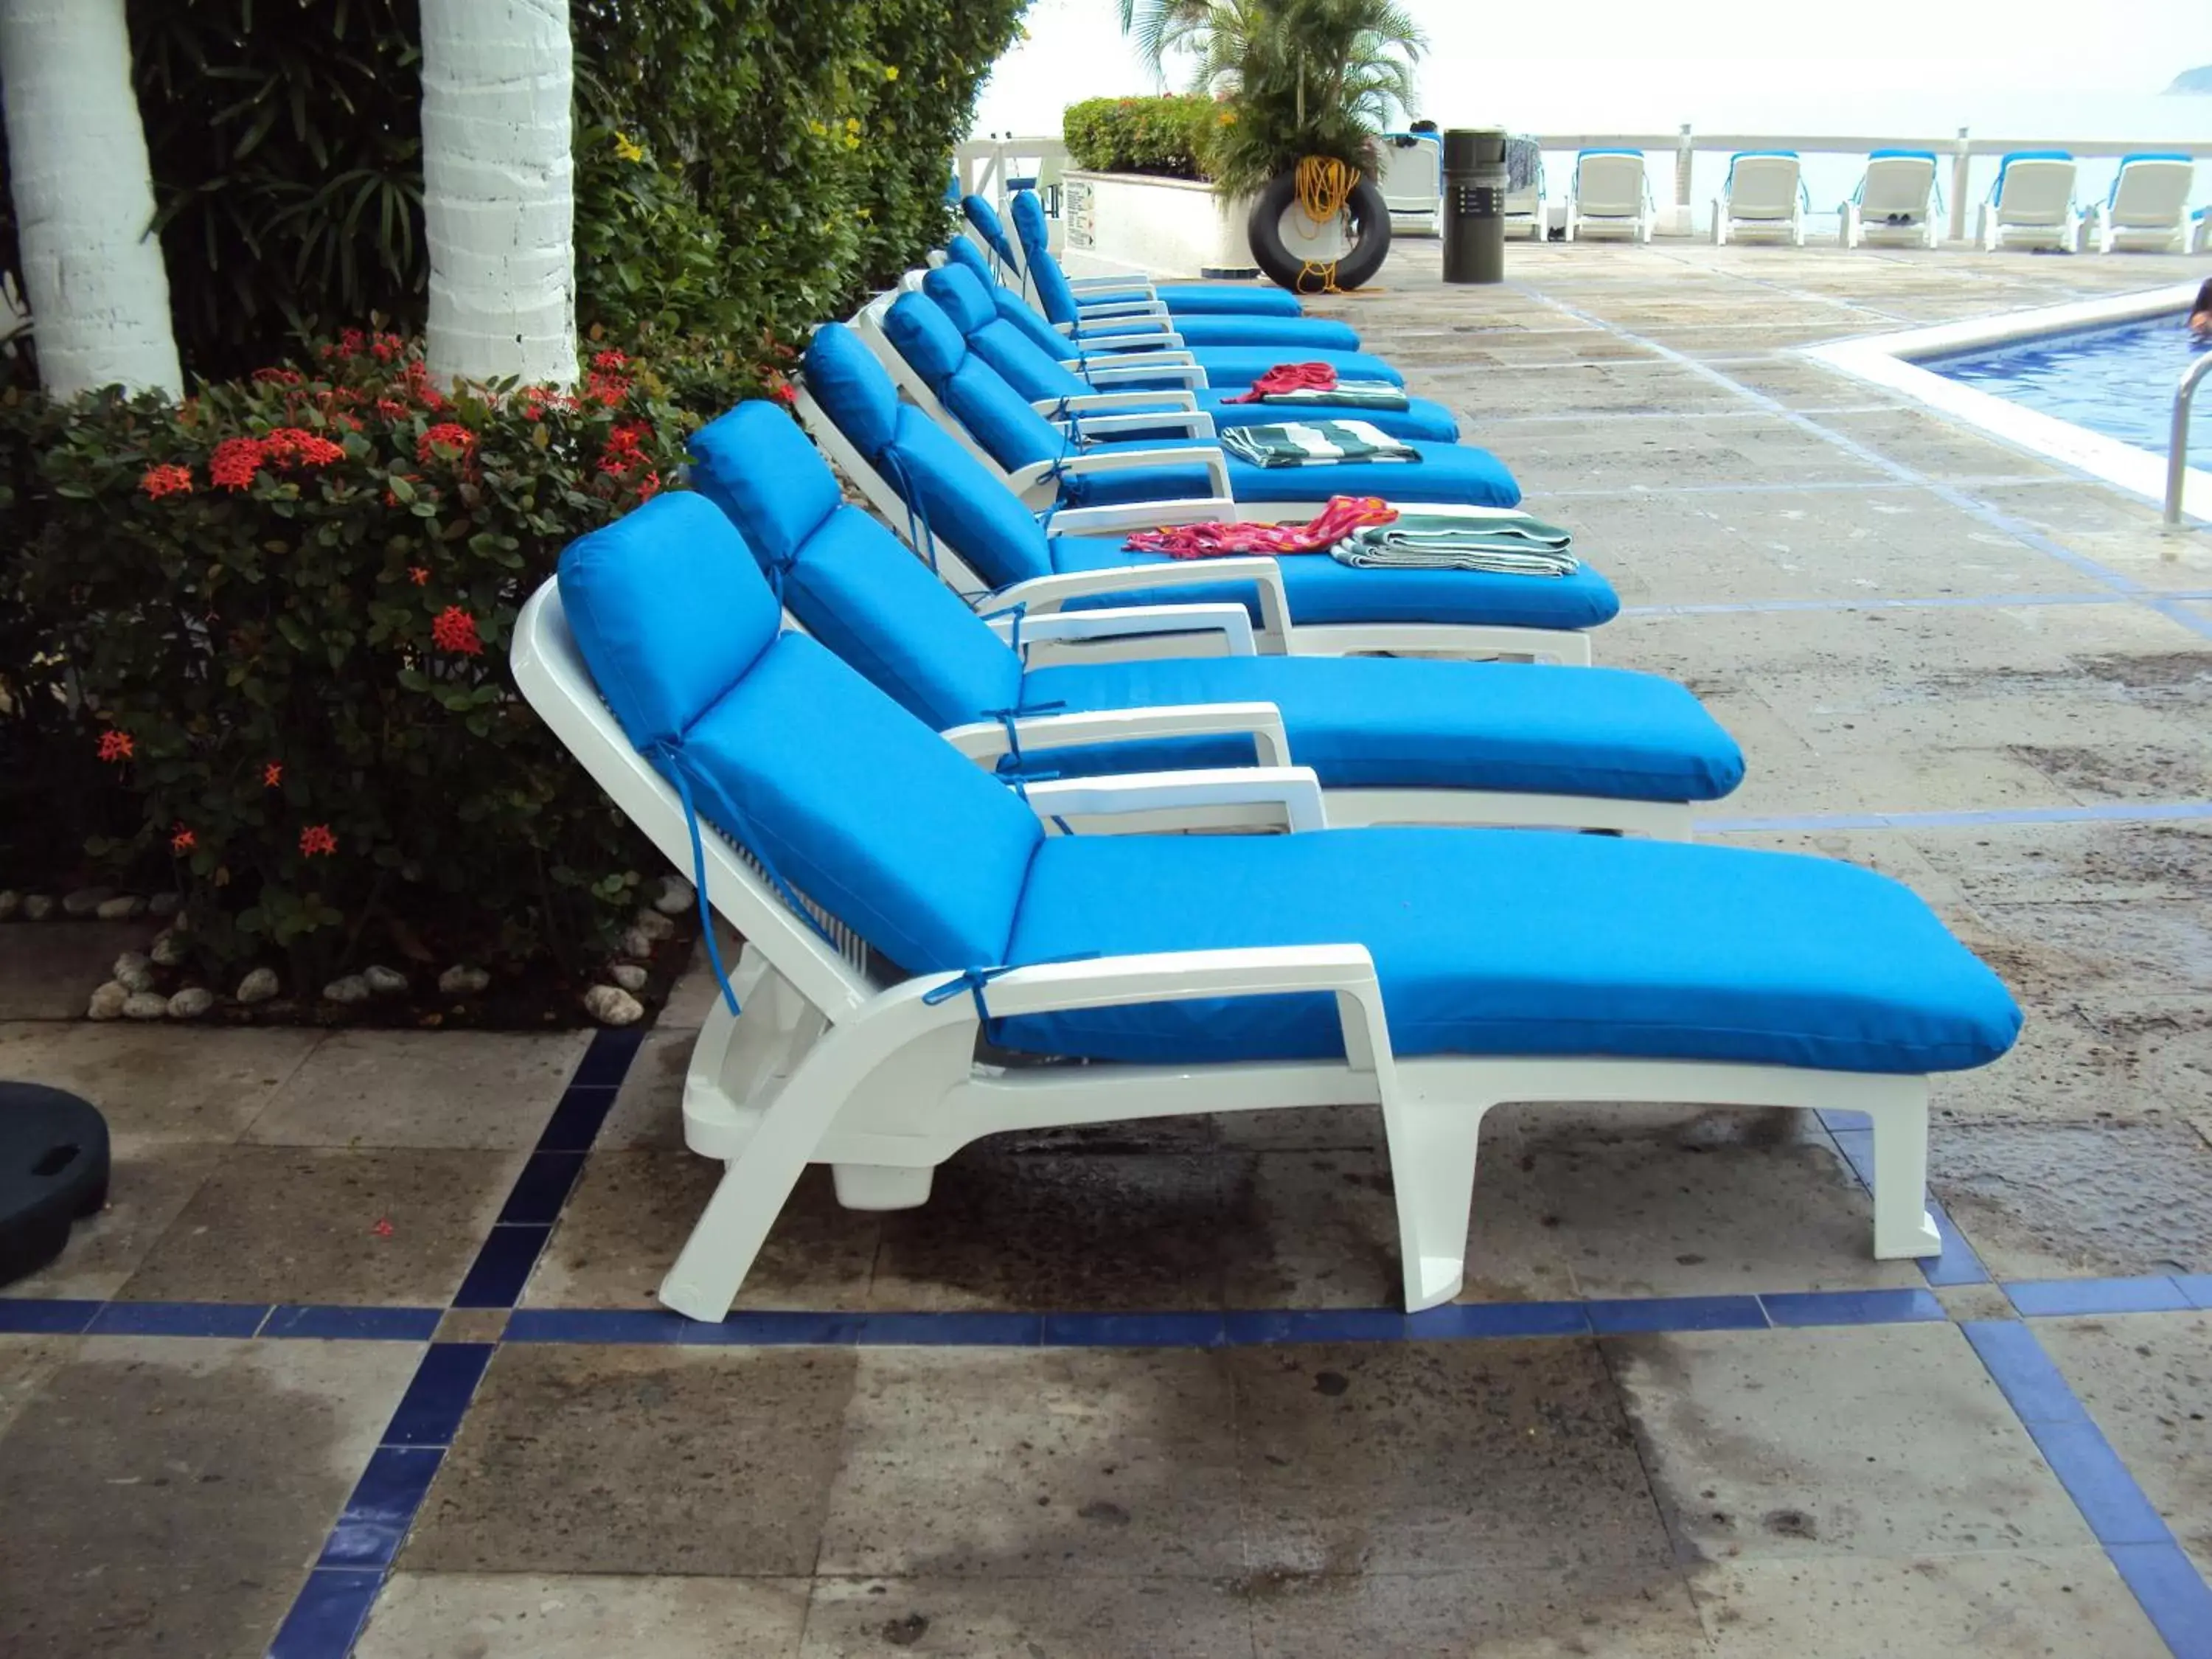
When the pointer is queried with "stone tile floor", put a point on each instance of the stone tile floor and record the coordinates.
(364, 1355)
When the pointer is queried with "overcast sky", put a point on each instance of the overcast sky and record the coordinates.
(1712, 61)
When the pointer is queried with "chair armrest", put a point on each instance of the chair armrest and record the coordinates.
(1142, 334)
(1192, 423)
(1046, 596)
(1157, 366)
(1114, 285)
(1232, 622)
(1262, 722)
(1115, 402)
(1110, 310)
(1026, 481)
(1293, 791)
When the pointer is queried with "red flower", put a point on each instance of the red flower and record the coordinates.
(391, 408)
(272, 775)
(609, 361)
(449, 435)
(234, 463)
(455, 629)
(418, 574)
(278, 376)
(648, 486)
(316, 839)
(292, 445)
(183, 840)
(624, 439)
(351, 340)
(162, 481)
(607, 389)
(784, 393)
(115, 745)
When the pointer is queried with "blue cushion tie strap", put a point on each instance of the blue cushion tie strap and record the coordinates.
(917, 509)
(1017, 609)
(1009, 763)
(973, 980)
(670, 752)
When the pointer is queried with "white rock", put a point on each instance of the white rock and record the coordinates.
(10, 902)
(165, 904)
(676, 895)
(385, 982)
(133, 972)
(629, 976)
(86, 900)
(637, 942)
(107, 1001)
(655, 926)
(37, 907)
(167, 949)
(191, 1002)
(123, 906)
(145, 1004)
(350, 989)
(259, 986)
(463, 981)
(611, 1005)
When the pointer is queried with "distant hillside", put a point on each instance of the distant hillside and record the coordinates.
(2196, 79)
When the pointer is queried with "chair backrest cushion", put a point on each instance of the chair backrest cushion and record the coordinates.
(2154, 182)
(1000, 417)
(1053, 294)
(757, 466)
(1033, 372)
(1017, 312)
(991, 227)
(668, 610)
(925, 338)
(852, 388)
(973, 513)
(2042, 173)
(789, 752)
(962, 251)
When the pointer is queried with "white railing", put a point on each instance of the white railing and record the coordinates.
(2176, 451)
(984, 164)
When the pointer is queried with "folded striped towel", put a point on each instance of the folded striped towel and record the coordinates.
(1503, 544)
(1315, 443)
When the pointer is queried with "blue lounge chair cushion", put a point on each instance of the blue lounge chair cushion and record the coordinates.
(984, 218)
(1192, 299)
(1519, 942)
(1404, 723)
(786, 749)
(1321, 591)
(1446, 473)
(1298, 336)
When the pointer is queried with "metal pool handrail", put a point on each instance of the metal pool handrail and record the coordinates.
(2177, 450)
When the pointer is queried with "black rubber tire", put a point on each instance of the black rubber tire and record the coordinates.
(1370, 218)
(53, 1170)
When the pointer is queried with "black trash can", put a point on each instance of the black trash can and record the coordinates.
(1474, 204)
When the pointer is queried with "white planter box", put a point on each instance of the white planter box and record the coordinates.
(1126, 222)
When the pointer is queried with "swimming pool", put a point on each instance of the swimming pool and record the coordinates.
(2117, 380)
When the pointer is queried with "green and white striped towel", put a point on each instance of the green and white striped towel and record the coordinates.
(1315, 443)
(1503, 544)
(1348, 394)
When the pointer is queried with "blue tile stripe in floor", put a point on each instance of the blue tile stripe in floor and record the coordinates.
(334, 1604)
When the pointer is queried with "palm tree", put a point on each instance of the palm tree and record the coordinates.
(98, 290)
(499, 190)
(1299, 77)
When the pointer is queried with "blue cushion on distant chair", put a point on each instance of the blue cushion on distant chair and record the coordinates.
(962, 251)
(757, 466)
(973, 513)
(852, 388)
(1446, 473)
(962, 296)
(992, 228)
(1406, 723)
(925, 337)
(668, 610)
(1519, 942)
(1299, 336)
(1320, 590)
(1225, 299)
(1230, 367)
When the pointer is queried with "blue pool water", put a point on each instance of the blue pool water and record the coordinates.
(2117, 381)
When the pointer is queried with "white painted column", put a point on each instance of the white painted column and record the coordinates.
(498, 189)
(99, 293)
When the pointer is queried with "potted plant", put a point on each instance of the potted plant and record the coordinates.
(1305, 88)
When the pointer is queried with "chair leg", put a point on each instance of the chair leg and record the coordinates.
(881, 1186)
(1432, 1146)
(1902, 1225)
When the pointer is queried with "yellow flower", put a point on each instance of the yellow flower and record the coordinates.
(852, 123)
(819, 129)
(626, 151)
(852, 141)
(891, 71)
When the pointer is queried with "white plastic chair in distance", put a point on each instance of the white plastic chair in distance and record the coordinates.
(1610, 192)
(2146, 209)
(1897, 201)
(1524, 207)
(829, 1063)
(1412, 181)
(2031, 204)
(1764, 195)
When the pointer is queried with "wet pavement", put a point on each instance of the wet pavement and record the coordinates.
(366, 1342)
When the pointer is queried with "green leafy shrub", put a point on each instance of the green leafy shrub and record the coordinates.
(1171, 137)
(282, 611)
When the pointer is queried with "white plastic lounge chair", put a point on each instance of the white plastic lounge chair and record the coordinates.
(1059, 392)
(1433, 973)
(1412, 181)
(1610, 192)
(1392, 741)
(1524, 188)
(1897, 200)
(2032, 203)
(1091, 465)
(959, 514)
(2146, 209)
(1764, 195)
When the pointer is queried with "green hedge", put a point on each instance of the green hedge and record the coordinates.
(1171, 137)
